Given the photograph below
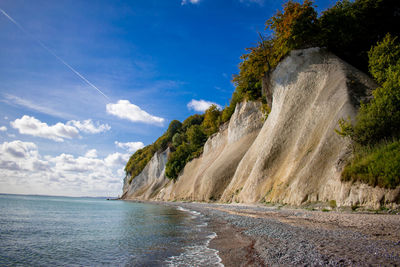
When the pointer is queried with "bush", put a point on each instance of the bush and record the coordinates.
(177, 161)
(377, 165)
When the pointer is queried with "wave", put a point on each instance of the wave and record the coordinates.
(198, 254)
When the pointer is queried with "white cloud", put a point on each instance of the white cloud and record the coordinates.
(130, 146)
(87, 126)
(126, 110)
(59, 131)
(201, 105)
(3, 128)
(5, 117)
(116, 159)
(184, 2)
(32, 126)
(18, 149)
(92, 153)
(23, 168)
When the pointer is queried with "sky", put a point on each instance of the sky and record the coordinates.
(84, 84)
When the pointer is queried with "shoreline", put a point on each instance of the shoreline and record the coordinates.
(256, 235)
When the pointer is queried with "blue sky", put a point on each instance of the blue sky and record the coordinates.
(151, 58)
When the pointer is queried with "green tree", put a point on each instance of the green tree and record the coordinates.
(350, 28)
(195, 136)
(195, 119)
(211, 120)
(177, 161)
(177, 140)
(382, 56)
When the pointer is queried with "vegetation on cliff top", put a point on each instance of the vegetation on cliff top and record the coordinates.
(348, 29)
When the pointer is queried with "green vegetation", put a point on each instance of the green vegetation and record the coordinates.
(377, 165)
(189, 141)
(332, 204)
(140, 158)
(376, 161)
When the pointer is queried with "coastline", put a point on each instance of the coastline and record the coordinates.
(257, 235)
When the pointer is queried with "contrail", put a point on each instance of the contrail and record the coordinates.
(52, 53)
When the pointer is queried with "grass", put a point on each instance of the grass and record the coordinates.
(377, 165)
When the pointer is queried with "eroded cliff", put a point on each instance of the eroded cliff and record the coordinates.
(293, 157)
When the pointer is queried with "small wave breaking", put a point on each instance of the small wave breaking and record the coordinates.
(197, 254)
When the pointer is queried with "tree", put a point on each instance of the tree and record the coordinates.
(211, 120)
(382, 56)
(177, 140)
(177, 161)
(296, 27)
(196, 136)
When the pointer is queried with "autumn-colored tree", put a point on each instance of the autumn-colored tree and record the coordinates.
(296, 27)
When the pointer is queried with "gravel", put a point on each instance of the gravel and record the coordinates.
(311, 238)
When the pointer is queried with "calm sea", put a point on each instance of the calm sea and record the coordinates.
(63, 231)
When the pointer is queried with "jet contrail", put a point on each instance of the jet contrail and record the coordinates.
(52, 53)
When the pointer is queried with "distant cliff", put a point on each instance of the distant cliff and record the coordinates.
(292, 157)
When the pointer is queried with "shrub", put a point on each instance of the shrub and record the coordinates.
(177, 161)
(377, 165)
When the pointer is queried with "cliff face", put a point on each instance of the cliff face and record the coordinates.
(149, 182)
(206, 177)
(293, 157)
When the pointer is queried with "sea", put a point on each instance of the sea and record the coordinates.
(67, 231)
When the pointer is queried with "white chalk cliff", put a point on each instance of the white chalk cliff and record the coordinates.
(293, 157)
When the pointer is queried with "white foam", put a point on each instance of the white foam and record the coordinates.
(198, 255)
(192, 212)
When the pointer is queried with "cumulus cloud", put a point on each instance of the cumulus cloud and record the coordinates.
(3, 128)
(32, 126)
(21, 162)
(59, 131)
(130, 146)
(18, 149)
(126, 110)
(87, 126)
(184, 2)
(116, 159)
(92, 153)
(201, 105)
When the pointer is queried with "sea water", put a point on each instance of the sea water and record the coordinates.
(65, 231)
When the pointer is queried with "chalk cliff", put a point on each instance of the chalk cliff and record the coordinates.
(293, 157)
